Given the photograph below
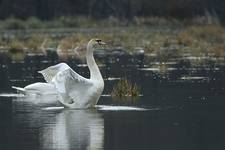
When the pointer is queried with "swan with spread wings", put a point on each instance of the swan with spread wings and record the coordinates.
(73, 90)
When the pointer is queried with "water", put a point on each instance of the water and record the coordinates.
(181, 108)
(26, 126)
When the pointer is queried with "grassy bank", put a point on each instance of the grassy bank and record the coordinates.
(166, 39)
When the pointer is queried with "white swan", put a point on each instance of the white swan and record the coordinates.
(73, 90)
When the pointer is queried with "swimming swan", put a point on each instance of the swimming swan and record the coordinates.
(73, 90)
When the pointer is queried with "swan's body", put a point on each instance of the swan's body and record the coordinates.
(73, 90)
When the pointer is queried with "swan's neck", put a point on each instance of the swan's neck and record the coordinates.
(94, 70)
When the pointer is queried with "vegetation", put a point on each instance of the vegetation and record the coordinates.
(166, 39)
(33, 43)
(12, 23)
(16, 51)
(110, 21)
(46, 10)
(125, 92)
(62, 22)
(204, 40)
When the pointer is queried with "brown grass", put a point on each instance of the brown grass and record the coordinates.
(204, 40)
(125, 92)
(165, 42)
(16, 51)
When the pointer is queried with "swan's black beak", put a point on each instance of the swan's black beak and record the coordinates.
(100, 42)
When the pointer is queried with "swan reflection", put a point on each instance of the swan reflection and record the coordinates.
(80, 129)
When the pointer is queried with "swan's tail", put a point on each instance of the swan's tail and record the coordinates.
(19, 89)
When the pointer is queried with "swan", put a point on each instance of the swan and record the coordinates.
(73, 90)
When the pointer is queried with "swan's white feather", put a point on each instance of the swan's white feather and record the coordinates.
(50, 72)
(41, 88)
(71, 86)
(19, 89)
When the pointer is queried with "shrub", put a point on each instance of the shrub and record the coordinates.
(68, 22)
(34, 23)
(155, 21)
(13, 23)
(75, 21)
(207, 19)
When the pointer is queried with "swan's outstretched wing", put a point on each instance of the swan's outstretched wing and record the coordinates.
(71, 86)
(50, 72)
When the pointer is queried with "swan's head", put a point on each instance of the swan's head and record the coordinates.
(95, 43)
(82, 50)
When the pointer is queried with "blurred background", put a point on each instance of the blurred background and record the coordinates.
(128, 9)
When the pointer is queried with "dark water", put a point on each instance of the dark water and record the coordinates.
(26, 126)
(182, 108)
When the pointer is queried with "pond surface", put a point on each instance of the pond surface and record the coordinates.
(26, 126)
(181, 108)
